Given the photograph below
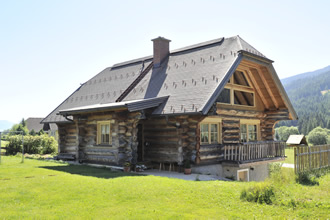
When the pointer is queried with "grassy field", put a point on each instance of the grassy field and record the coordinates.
(290, 155)
(48, 190)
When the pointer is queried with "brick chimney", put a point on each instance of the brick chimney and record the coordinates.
(161, 50)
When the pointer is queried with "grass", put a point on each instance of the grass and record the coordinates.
(46, 190)
(289, 152)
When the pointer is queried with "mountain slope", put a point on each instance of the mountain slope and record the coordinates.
(310, 96)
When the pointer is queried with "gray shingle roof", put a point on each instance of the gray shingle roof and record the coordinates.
(34, 124)
(192, 77)
(131, 106)
(105, 87)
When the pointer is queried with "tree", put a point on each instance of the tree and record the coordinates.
(318, 136)
(19, 127)
(23, 123)
(41, 132)
(283, 133)
(32, 132)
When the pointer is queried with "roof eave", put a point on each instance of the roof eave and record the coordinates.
(268, 63)
(255, 56)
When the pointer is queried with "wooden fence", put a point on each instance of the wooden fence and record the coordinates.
(309, 158)
(254, 151)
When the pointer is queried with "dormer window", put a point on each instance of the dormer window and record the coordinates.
(238, 91)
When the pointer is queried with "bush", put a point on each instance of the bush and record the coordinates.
(32, 144)
(311, 177)
(318, 136)
(260, 192)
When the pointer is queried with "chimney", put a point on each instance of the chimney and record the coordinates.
(161, 50)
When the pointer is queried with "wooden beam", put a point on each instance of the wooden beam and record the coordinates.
(256, 86)
(270, 92)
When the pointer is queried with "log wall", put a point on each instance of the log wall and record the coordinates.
(171, 139)
(68, 141)
(80, 138)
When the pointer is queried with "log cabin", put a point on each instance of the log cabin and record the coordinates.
(214, 103)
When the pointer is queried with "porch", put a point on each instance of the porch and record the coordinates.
(255, 151)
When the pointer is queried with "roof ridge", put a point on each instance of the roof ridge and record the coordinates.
(254, 51)
(239, 42)
(190, 47)
(199, 45)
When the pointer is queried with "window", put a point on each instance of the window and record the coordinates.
(243, 98)
(224, 96)
(103, 133)
(249, 130)
(237, 91)
(210, 131)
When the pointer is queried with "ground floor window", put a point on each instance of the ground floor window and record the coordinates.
(249, 130)
(103, 133)
(210, 131)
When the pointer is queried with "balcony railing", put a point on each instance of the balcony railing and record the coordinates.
(254, 151)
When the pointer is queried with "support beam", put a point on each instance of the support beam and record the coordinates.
(262, 71)
(256, 86)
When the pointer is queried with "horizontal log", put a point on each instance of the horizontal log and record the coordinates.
(208, 157)
(233, 141)
(158, 143)
(160, 138)
(245, 113)
(160, 135)
(153, 130)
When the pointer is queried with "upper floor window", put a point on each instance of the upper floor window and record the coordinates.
(237, 91)
(103, 133)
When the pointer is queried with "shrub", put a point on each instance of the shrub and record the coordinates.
(32, 144)
(307, 178)
(279, 175)
(260, 192)
(311, 177)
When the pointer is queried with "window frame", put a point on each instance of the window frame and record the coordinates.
(99, 133)
(211, 121)
(248, 122)
(241, 88)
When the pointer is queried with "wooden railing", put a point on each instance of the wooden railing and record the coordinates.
(309, 158)
(254, 151)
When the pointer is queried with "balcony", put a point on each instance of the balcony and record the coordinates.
(255, 151)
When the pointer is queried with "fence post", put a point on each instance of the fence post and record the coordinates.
(320, 156)
(22, 147)
(309, 157)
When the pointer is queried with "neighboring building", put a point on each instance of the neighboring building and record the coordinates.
(214, 103)
(36, 125)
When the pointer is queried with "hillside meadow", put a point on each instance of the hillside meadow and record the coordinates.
(39, 189)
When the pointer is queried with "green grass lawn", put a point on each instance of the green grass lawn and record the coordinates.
(45, 190)
(289, 152)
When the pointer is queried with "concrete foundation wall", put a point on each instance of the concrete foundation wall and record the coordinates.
(255, 172)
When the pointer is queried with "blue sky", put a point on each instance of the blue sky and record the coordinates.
(47, 48)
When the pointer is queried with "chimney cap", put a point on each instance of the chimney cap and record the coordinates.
(161, 38)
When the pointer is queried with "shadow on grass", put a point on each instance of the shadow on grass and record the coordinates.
(84, 170)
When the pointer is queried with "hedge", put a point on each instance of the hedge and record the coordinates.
(32, 144)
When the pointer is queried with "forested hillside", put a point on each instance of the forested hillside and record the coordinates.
(310, 96)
